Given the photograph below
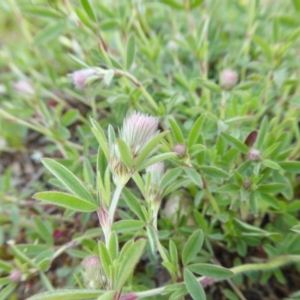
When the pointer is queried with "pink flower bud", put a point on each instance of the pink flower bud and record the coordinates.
(23, 87)
(228, 79)
(180, 150)
(15, 275)
(130, 296)
(92, 272)
(80, 77)
(254, 155)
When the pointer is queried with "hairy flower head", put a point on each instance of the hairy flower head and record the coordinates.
(80, 77)
(137, 130)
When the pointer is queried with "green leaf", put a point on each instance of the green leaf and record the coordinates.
(129, 261)
(262, 133)
(271, 164)
(89, 10)
(212, 271)
(194, 176)
(290, 166)
(148, 148)
(228, 188)
(177, 133)
(4, 266)
(152, 237)
(130, 52)
(195, 131)
(296, 228)
(113, 246)
(43, 231)
(271, 188)
(192, 247)
(69, 117)
(133, 203)
(128, 225)
(170, 177)
(100, 136)
(214, 172)
(263, 45)
(125, 153)
(108, 296)
(42, 11)
(5, 292)
(173, 253)
(296, 5)
(194, 288)
(50, 32)
(66, 201)
(68, 179)
(155, 159)
(235, 143)
(67, 294)
(108, 77)
(210, 85)
(105, 258)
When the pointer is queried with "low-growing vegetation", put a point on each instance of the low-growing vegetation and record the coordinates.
(149, 149)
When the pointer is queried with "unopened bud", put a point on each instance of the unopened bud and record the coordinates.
(180, 150)
(80, 77)
(15, 275)
(92, 274)
(228, 79)
(247, 184)
(254, 155)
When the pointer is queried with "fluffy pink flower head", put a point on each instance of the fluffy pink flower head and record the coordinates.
(180, 150)
(137, 130)
(228, 79)
(80, 77)
(92, 272)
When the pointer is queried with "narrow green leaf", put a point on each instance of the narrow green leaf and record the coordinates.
(290, 166)
(100, 136)
(194, 176)
(113, 246)
(148, 148)
(209, 270)
(111, 295)
(50, 32)
(68, 179)
(235, 143)
(262, 133)
(195, 131)
(173, 253)
(133, 203)
(128, 225)
(5, 292)
(42, 11)
(70, 117)
(210, 85)
(43, 231)
(125, 153)
(170, 176)
(177, 133)
(228, 188)
(271, 164)
(4, 266)
(271, 188)
(105, 258)
(66, 201)
(89, 9)
(152, 237)
(194, 288)
(155, 159)
(129, 262)
(130, 52)
(88, 173)
(214, 172)
(67, 294)
(192, 247)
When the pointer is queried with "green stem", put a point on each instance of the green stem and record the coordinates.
(139, 86)
(265, 266)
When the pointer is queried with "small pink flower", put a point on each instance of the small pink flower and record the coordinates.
(137, 130)
(23, 87)
(254, 155)
(80, 77)
(228, 79)
(15, 275)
